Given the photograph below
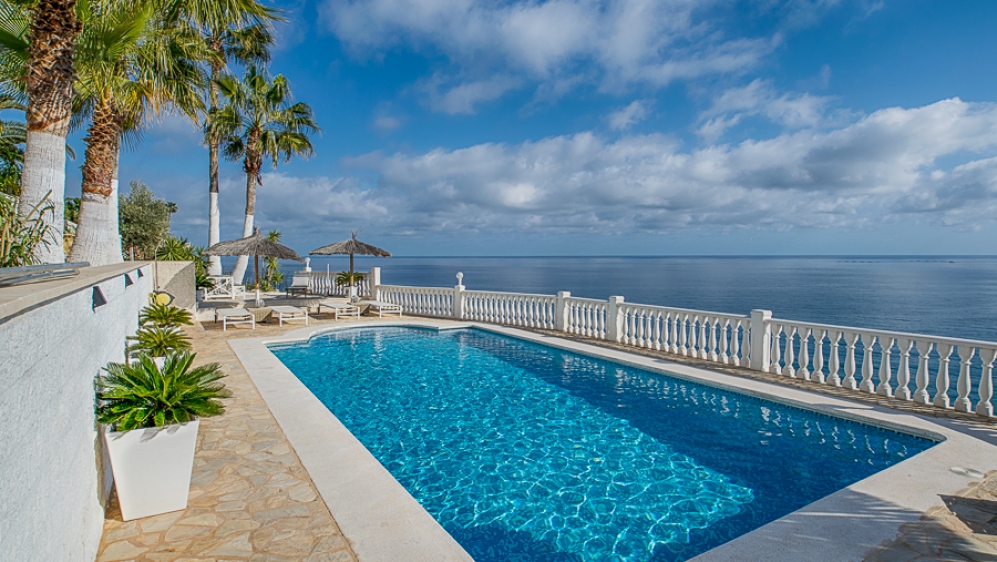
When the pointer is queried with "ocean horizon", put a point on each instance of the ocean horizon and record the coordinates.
(944, 295)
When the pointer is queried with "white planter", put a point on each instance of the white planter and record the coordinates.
(152, 468)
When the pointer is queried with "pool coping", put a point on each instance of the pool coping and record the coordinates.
(385, 523)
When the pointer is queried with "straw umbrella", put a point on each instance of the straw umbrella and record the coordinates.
(351, 247)
(256, 245)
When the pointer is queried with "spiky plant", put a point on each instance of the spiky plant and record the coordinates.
(20, 236)
(158, 342)
(165, 316)
(142, 395)
(348, 278)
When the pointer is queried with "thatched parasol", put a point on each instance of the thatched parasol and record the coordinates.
(351, 247)
(256, 245)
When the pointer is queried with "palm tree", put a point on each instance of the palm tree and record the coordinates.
(128, 63)
(258, 120)
(232, 30)
(49, 87)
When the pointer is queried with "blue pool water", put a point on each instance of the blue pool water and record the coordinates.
(528, 453)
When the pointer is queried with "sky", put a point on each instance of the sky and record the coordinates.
(619, 127)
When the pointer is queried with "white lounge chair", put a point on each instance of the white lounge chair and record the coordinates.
(385, 308)
(340, 308)
(300, 285)
(237, 315)
(225, 288)
(289, 313)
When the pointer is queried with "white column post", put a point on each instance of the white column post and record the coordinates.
(561, 317)
(761, 339)
(375, 283)
(614, 319)
(458, 297)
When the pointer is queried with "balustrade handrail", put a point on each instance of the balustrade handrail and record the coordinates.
(626, 304)
(757, 341)
(888, 333)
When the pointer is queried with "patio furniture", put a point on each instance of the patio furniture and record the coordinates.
(237, 315)
(300, 286)
(288, 313)
(385, 308)
(340, 308)
(224, 289)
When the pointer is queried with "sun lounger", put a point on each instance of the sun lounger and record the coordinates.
(385, 308)
(289, 313)
(299, 286)
(340, 308)
(236, 315)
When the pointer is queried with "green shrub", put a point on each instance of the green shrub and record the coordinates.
(19, 236)
(158, 341)
(165, 316)
(143, 395)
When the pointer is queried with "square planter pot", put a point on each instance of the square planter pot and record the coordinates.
(152, 468)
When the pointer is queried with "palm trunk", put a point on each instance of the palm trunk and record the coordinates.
(252, 165)
(214, 212)
(98, 238)
(54, 28)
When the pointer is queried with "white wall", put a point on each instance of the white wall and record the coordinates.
(52, 480)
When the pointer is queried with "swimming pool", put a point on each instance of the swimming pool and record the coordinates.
(526, 452)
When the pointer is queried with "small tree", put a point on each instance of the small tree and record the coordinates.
(144, 221)
(272, 276)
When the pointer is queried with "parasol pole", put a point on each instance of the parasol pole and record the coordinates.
(257, 264)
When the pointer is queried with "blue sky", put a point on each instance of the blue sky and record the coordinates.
(655, 127)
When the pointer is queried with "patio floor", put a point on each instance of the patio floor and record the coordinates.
(250, 498)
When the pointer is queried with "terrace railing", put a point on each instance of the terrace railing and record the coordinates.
(946, 373)
(325, 284)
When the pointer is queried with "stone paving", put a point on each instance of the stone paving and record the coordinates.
(964, 529)
(250, 498)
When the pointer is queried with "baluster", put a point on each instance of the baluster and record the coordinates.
(724, 358)
(834, 371)
(703, 340)
(986, 389)
(850, 341)
(804, 358)
(789, 370)
(714, 321)
(921, 379)
(658, 321)
(964, 384)
(735, 343)
(673, 332)
(817, 375)
(867, 384)
(684, 339)
(942, 378)
(903, 369)
(639, 328)
(885, 387)
(776, 367)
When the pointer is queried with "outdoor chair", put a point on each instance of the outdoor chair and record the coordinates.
(237, 315)
(288, 313)
(224, 288)
(300, 285)
(385, 308)
(340, 308)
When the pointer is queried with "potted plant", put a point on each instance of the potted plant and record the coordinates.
(165, 316)
(151, 419)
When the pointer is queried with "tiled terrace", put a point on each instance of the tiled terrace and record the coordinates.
(251, 499)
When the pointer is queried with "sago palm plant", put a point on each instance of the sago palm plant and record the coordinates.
(142, 395)
(165, 316)
(259, 121)
(158, 341)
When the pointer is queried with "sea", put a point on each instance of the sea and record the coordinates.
(952, 296)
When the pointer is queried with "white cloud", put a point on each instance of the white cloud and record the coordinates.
(627, 42)
(463, 97)
(760, 98)
(882, 167)
(629, 116)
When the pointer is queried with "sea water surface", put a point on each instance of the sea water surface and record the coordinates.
(946, 296)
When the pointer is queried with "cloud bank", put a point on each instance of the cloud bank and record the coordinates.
(931, 165)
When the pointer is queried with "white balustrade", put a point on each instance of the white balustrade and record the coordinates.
(906, 367)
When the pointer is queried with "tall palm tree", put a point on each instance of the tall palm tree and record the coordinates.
(49, 88)
(258, 120)
(232, 30)
(129, 63)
